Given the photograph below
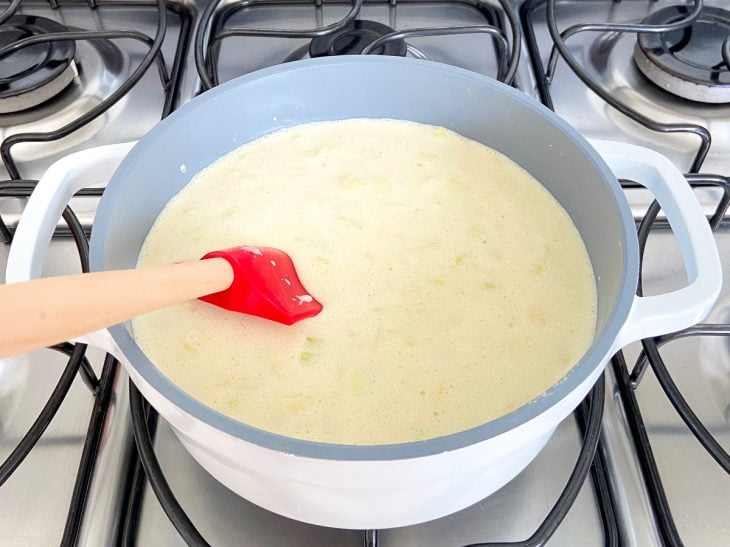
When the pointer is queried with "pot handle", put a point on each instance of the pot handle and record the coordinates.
(676, 310)
(51, 195)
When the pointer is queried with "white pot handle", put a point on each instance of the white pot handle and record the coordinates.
(54, 190)
(676, 310)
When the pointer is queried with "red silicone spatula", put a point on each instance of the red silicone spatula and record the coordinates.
(258, 281)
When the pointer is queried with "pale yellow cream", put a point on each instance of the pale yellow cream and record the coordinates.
(455, 287)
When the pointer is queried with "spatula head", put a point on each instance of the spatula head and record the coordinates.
(265, 284)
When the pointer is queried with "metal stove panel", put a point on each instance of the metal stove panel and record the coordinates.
(103, 66)
(696, 486)
(240, 55)
(35, 499)
(609, 59)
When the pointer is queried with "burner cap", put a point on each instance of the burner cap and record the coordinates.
(687, 62)
(355, 37)
(36, 73)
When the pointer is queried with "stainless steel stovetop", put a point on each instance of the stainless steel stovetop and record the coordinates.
(81, 482)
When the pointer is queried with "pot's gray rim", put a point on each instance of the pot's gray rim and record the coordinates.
(595, 357)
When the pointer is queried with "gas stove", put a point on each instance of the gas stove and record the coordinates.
(643, 461)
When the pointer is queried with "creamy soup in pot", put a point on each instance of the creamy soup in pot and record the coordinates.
(455, 287)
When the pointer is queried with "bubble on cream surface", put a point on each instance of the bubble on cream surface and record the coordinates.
(455, 288)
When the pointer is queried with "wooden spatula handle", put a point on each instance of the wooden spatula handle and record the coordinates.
(48, 311)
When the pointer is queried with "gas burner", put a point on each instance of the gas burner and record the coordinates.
(687, 62)
(34, 74)
(354, 38)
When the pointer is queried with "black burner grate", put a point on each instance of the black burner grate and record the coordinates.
(101, 388)
(560, 48)
(169, 79)
(214, 27)
(629, 381)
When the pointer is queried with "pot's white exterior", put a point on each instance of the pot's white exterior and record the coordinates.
(364, 494)
(383, 492)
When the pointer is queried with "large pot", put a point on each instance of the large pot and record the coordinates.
(394, 485)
